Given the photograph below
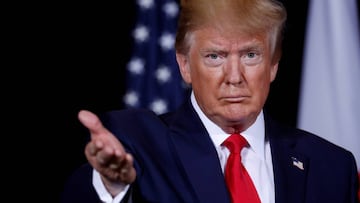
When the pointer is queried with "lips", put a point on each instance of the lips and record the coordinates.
(234, 99)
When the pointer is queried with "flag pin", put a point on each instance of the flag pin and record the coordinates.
(297, 163)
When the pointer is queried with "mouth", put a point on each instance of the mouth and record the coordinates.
(234, 99)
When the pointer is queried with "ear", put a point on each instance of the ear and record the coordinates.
(184, 66)
(273, 71)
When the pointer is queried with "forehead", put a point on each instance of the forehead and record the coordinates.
(233, 38)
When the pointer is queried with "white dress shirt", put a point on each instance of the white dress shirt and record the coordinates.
(256, 159)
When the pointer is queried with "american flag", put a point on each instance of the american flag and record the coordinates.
(153, 79)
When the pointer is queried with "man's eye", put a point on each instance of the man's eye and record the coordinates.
(213, 56)
(251, 54)
(252, 58)
(213, 59)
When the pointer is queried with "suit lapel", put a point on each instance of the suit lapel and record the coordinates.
(198, 156)
(290, 167)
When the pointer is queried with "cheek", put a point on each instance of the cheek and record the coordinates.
(199, 80)
(208, 79)
(207, 84)
(259, 83)
(199, 73)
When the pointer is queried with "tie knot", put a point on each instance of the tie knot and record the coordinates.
(235, 142)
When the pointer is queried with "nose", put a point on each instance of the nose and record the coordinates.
(233, 71)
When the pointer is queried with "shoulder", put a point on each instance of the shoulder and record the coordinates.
(134, 124)
(128, 117)
(306, 142)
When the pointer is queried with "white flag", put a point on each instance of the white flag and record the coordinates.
(330, 86)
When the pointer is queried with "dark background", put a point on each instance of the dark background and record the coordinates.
(74, 57)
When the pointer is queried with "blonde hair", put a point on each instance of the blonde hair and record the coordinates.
(253, 17)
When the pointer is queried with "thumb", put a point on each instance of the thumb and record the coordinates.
(92, 122)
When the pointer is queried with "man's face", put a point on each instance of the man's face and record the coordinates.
(230, 76)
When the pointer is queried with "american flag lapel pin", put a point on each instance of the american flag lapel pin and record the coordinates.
(297, 163)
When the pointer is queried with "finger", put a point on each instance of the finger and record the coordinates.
(93, 147)
(127, 172)
(96, 128)
(118, 158)
(126, 162)
(106, 156)
(92, 122)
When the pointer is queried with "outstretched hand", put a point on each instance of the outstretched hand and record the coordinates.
(106, 153)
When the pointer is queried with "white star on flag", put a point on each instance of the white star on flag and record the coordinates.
(153, 80)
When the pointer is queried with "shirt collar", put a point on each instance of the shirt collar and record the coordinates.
(255, 134)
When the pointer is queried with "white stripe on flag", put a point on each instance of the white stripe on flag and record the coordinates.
(330, 87)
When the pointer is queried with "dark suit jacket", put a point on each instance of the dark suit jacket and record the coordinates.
(176, 161)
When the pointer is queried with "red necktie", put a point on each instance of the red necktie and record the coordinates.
(237, 179)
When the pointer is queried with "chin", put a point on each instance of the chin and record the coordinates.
(236, 117)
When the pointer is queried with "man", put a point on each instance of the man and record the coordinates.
(229, 52)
